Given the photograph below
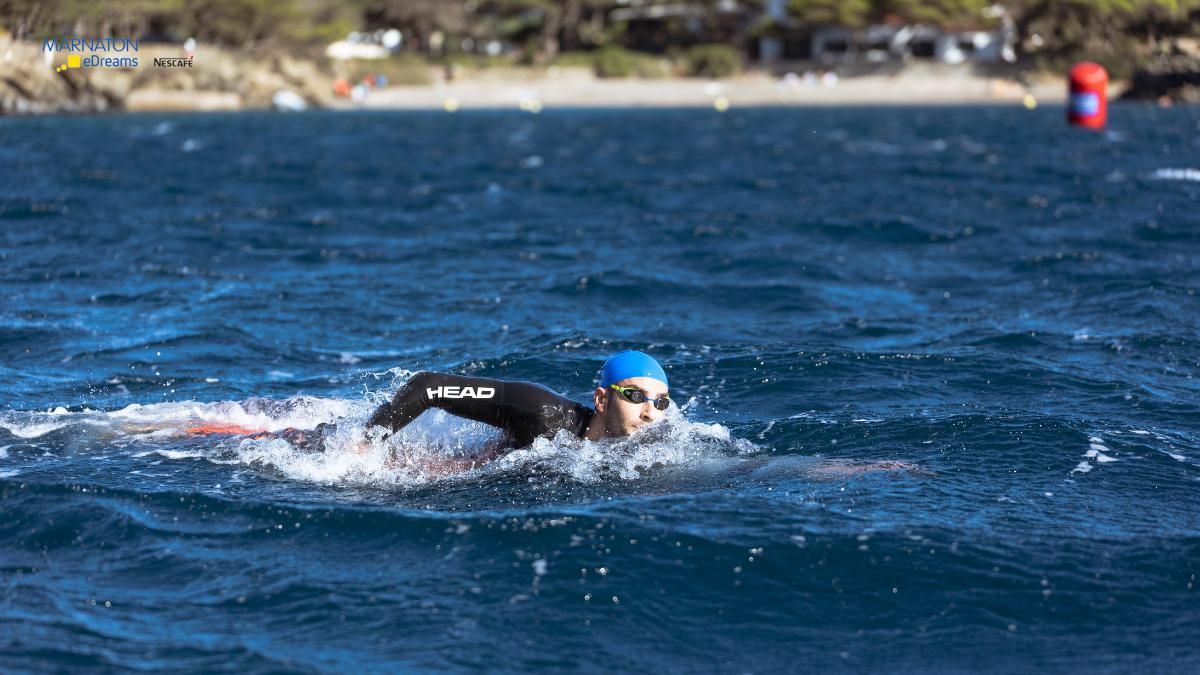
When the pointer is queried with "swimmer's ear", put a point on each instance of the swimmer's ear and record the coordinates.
(600, 399)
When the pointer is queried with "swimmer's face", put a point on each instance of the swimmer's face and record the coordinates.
(621, 417)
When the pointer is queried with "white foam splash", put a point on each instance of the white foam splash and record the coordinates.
(170, 432)
(298, 412)
(435, 444)
(1178, 174)
(674, 442)
(1097, 450)
(32, 427)
(441, 447)
(338, 463)
(159, 420)
(29, 430)
(763, 434)
(1169, 451)
(171, 454)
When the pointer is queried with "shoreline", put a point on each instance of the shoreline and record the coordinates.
(225, 80)
(754, 90)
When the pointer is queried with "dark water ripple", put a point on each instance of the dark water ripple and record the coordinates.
(938, 368)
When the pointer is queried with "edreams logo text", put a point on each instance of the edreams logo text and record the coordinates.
(73, 45)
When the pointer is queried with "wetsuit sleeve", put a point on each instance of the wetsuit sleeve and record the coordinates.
(524, 410)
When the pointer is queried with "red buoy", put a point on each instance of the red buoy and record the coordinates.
(1088, 102)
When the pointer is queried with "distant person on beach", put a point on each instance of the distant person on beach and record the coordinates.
(632, 392)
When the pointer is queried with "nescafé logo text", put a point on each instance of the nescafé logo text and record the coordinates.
(174, 62)
(74, 47)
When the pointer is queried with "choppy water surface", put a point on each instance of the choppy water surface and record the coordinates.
(936, 367)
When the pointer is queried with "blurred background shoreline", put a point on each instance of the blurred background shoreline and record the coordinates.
(451, 54)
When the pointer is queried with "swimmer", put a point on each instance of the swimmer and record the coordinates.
(631, 394)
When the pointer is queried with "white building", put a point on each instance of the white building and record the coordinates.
(977, 46)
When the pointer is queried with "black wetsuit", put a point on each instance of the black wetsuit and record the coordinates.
(524, 410)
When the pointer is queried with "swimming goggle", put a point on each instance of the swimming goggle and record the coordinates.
(637, 396)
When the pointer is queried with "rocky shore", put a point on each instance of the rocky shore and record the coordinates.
(217, 80)
(1173, 80)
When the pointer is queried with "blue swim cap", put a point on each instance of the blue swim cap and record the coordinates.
(630, 364)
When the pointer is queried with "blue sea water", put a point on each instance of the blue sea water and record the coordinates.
(935, 373)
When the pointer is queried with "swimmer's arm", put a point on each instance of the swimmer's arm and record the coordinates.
(427, 390)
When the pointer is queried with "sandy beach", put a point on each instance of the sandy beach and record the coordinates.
(579, 88)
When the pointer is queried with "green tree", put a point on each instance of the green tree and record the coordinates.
(419, 18)
(849, 13)
(936, 12)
